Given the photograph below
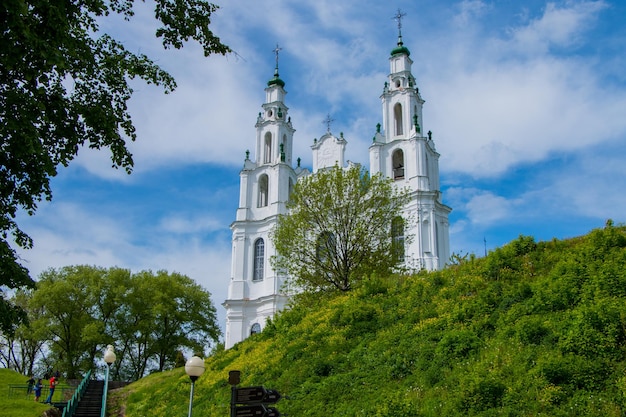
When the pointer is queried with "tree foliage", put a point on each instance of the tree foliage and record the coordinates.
(78, 310)
(338, 230)
(162, 314)
(22, 348)
(12, 275)
(64, 84)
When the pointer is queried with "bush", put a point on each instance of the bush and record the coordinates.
(457, 344)
(486, 394)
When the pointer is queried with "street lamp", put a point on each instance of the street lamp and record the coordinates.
(194, 368)
(109, 358)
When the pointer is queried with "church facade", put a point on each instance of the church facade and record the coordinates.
(399, 150)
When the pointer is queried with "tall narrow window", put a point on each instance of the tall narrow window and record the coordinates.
(397, 116)
(426, 241)
(290, 189)
(326, 248)
(438, 243)
(263, 191)
(397, 160)
(259, 259)
(256, 328)
(397, 238)
(267, 148)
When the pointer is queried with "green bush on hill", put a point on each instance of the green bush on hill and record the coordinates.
(534, 328)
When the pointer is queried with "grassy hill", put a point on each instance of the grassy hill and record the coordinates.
(531, 329)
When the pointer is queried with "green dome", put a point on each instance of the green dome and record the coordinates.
(275, 81)
(400, 49)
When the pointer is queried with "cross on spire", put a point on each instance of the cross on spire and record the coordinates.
(276, 51)
(398, 18)
(327, 121)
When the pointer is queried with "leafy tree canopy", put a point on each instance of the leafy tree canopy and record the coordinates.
(64, 84)
(12, 275)
(78, 310)
(338, 230)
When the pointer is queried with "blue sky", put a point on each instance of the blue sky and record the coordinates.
(526, 102)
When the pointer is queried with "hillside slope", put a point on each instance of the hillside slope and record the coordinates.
(533, 328)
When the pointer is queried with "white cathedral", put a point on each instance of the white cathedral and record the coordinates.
(399, 150)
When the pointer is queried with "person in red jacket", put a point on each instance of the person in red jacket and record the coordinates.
(53, 384)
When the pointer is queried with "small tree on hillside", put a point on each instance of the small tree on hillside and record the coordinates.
(339, 229)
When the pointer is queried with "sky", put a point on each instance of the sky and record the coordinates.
(526, 102)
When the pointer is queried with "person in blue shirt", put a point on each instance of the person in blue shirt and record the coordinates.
(38, 387)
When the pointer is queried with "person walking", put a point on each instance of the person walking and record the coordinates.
(38, 387)
(53, 384)
(30, 382)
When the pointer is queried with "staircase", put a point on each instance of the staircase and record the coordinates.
(90, 405)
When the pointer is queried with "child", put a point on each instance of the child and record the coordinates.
(38, 386)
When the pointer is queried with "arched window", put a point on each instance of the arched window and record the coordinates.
(263, 190)
(256, 328)
(397, 117)
(290, 189)
(267, 148)
(426, 241)
(326, 248)
(397, 238)
(397, 160)
(259, 260)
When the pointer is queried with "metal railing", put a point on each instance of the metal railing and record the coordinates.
(21, 390)
(69, 409)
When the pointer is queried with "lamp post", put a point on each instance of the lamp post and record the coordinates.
(194, 368)
(109, 358)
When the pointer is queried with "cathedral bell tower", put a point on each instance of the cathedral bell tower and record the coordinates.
(401, 152)
(256, 292)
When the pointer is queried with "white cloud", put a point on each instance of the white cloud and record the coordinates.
(197, 224)
(469, 11)
(482, 207)
(492, 108)
(558, 26)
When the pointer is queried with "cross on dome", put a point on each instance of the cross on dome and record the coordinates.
(276, 51)
(400, 49)
(276, 80)
(398, 18)
(327, 121)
